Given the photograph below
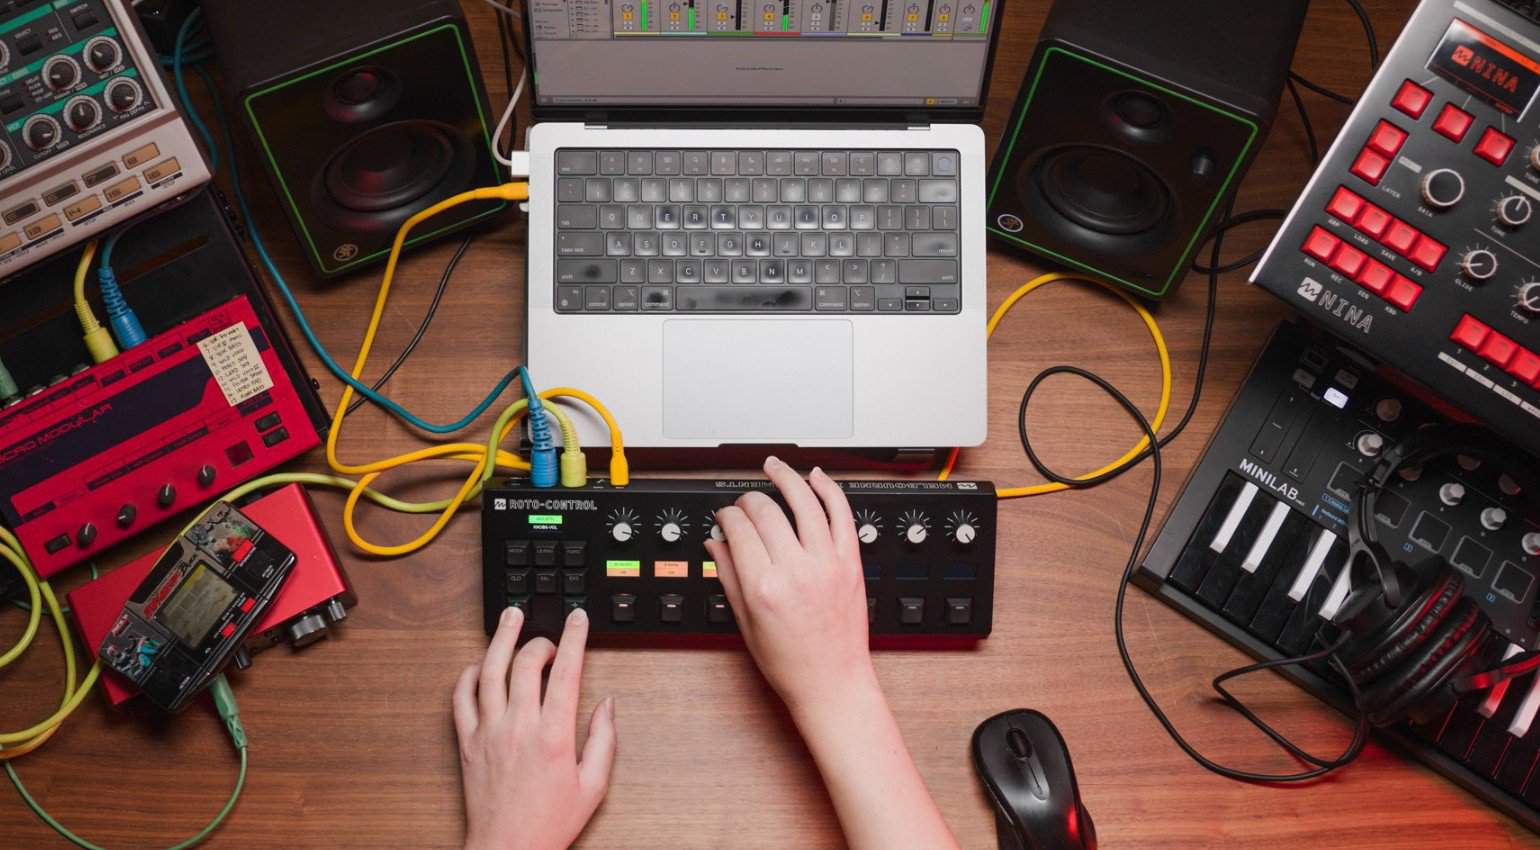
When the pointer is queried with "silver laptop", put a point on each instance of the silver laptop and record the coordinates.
(760, 222)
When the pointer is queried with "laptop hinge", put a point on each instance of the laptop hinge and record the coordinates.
(643, 125)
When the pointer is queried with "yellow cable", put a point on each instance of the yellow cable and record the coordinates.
(98, 339)
(1165, 381)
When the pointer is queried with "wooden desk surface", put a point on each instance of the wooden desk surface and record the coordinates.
(351, 742)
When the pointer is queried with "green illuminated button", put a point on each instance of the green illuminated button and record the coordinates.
(623, 569)
(545, 519)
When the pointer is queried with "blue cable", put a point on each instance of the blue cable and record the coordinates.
(539, 424)
(120, 317)
(178, 62)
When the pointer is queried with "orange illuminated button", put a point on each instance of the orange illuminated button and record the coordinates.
(1387, 138)
(43, 226)
(1427, 252)
(1494, 147)
(1376, 277)
(1349, 260)
(1373, 221)
(162, 170)
(1403, 293)
(1320, 244)
(1401, 237)
(1470, 333)
(1412, 99)
(1452, 123)
(1525, 366)
(671, 569)
(708, 569)
(9, 242)
(1345, 205)
(1370, 166)
(1498, 349)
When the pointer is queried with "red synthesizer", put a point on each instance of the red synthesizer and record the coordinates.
(162, 427)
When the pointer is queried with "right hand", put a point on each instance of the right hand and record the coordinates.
(799, 596)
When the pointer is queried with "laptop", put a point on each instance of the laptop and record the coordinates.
(760, 222)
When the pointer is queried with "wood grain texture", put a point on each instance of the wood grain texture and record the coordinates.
(351, 742)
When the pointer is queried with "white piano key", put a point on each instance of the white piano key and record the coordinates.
(1495, 695)
(1233, 518)
(1312, 566)
(1518, 727)
(1264, 540)
(1338, 594)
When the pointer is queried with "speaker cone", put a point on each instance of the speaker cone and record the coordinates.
(1103, 190)
(390, 166)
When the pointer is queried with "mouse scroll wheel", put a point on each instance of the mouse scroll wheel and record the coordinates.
(1017, 740)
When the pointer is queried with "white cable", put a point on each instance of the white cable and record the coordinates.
(496, 5)
(502, 123)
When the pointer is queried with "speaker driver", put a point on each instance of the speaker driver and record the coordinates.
(1103, 190)
(390, 166)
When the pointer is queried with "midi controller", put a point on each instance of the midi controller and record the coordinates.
(89, 135)
(1256, 546)
(635, 559)
(1414, 240)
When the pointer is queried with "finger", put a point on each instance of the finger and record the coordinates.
(599, 751)
(812, 524)
(493, 690)
(524, 681)
(465, 702)
(561, 690)
(842, 526)
(770, 522)
(743, 542)
(727, 573)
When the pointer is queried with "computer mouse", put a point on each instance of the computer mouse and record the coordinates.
(1025, 766)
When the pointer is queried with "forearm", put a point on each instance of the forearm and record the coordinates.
(881, 801)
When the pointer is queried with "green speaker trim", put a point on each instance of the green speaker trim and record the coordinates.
(284, 186)
(1181, 268)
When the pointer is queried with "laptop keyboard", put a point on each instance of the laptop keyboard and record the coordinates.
(758, 231)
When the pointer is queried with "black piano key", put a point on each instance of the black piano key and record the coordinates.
(1463, 727)
(1278, 611)
(1226, 570)
(1494, 741)
(1197, 557)
(1305, 620)
(1287, 554)
(1517, 765)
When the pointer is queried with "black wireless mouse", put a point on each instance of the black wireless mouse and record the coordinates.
(1025, 766)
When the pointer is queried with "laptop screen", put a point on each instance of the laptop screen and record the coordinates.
(771, 53)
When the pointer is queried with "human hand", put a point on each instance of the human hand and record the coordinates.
(799, 596)
(525, 788)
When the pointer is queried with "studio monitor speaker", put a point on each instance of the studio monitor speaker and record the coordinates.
(1135, 121)
(364, 112)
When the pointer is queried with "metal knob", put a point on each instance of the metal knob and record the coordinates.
(307, 630)
(1492, 519)
(1531, 543)
(1478, 264)
(1452, 493)
(1442, 188)
(1514, 211)
(1528, 297)
(1370, 444)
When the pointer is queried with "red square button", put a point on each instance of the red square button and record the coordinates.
(1525, 366)
(1345, 205)
(1498, 349)
(1320, 244)
(1412, 99)
(1427, 252)
(228, 630)
(1453, 122)
(1375, 277)
(1370, 166)
(1373, 220)
(1401, 237)
(1403, 293)
(1494, 147)
(1349, 261)
(248, 605)
(1387, 138)
(1470, 333)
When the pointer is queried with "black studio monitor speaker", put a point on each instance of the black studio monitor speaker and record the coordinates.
(364, 112)
(1135, 121)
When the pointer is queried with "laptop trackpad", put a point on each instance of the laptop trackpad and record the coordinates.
(758, 381)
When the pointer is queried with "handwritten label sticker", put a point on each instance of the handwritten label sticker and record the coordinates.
(236, 364)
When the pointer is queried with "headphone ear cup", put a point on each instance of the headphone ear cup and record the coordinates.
(1419, 683)
(1383, 649)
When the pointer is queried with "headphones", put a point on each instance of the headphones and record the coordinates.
(1408, 636)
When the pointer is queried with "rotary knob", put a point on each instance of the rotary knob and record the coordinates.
(5, 155)
(1442, 188)
(1492, 519)
(126, 515)
(1370, 444)
(166, 496)
(1528, 297)
(40, 132)
(102, 54)
(1531, 543)
(622, 532)
(206, 475)
(670, 532)
(1452, 493)
(916, 533)
(716, 533)
(1478, 264)
(964, 533)
(1514, 211)
(123, 95)
(60, 73)
(1388, 409)
(867, 533)
(82, 114)
(5, 56)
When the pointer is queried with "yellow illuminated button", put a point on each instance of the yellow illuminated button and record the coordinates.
(43, 226)
(83, 207)
(121, 189)
(623, 569)
(10, 242)
(140, 155)
(708, 569)
(161, 170)
(671, 569)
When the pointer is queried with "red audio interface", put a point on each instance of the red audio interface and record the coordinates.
(162, 427)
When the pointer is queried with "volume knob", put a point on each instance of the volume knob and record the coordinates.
(1529, 297)
(1478, 264)
(867, 533)
(670, 532)
(1514, 211)
(916, 533)
(965, 534)
(1442, 188)
(621, 532)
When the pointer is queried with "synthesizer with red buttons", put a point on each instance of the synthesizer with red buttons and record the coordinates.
(1417, 239)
